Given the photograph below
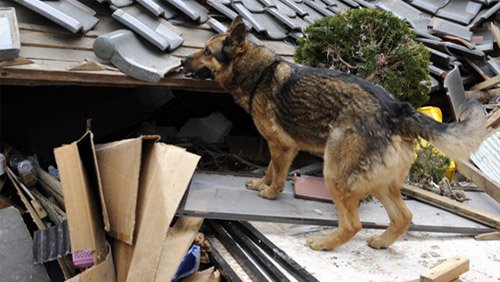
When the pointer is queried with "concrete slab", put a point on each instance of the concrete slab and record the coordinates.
(411, 255)
(153, 29)
(16, 253)
(134, 57)
(9, 34)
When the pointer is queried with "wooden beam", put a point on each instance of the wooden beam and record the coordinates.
(468, 170)
(464, 210)
(496, 32)
(492, 82)
(446, 271)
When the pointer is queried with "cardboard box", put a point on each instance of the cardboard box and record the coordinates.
(143, 183)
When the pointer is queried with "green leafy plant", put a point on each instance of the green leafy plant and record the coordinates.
(374, 45)
(429, 165)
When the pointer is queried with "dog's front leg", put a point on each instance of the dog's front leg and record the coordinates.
(264, 182)
(281, 160)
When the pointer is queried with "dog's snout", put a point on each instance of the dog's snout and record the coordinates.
(183, 62)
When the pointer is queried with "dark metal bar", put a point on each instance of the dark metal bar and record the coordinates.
(252, 249)
(276, 253)
(245, 262)
(225, 269)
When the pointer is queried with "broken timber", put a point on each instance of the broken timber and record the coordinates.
(447, 271)
(480, 179)
(451, 205)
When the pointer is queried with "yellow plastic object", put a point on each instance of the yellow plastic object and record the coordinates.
(435, 113)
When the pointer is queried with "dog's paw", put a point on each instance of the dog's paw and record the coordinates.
(269, 193)
(254, 185)
(319, 243)
(378, 242)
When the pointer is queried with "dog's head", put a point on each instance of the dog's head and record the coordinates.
(218, 53)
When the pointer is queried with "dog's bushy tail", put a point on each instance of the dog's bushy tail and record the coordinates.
(457, 140)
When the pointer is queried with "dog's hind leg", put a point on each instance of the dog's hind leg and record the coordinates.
(399, 215)
(340, 157)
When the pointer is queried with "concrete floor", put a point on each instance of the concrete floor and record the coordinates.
(403, 261)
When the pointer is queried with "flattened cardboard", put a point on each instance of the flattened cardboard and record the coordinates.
(165, 176)
(119, 168)
(82, 190)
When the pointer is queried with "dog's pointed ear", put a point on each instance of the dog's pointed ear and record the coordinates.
(237, 32)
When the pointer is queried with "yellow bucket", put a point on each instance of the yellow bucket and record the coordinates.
(435, 113)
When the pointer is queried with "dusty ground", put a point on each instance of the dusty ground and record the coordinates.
(403, 261)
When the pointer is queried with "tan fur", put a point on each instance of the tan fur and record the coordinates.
(307, 116)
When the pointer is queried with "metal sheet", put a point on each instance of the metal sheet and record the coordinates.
(487, 157)
(455, 91)
(225, 197)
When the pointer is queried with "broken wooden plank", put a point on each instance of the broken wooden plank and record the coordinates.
(468, 170)
(447, 271)
(445, 203)
(488, 236)
(492, 82)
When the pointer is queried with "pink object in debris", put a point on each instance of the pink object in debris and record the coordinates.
(83, 259)
(311, 188)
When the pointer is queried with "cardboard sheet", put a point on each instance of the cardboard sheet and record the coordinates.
(119, 168)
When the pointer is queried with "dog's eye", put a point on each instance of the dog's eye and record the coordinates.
(207, 52)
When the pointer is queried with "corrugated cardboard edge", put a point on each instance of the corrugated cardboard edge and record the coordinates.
(165, 176)
(119, 167)
(84, 222)
(103, 272)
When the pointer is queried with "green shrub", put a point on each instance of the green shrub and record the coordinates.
(374, 45)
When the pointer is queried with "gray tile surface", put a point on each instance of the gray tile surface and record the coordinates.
(9, 34)
(16, 250)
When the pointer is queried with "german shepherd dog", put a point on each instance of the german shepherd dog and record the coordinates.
(366, 137)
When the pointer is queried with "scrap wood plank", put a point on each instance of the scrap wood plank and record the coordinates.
(488, 236)
(37, 220)
(179, 238)
(492, 82)
(467, 211)
(475, 175)
(447, 271)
